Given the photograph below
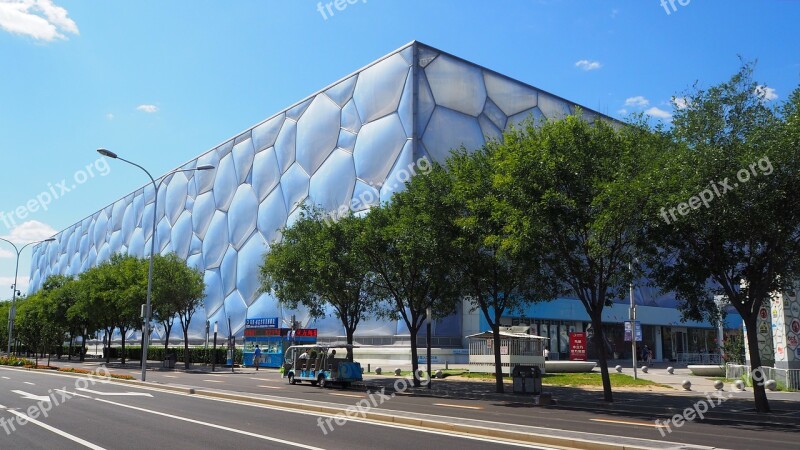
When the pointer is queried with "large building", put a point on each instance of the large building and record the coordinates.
(350, 145)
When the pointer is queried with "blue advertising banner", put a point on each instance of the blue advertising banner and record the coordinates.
(266, 322)
(628, 329)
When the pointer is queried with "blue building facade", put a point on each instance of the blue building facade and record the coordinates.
(348, 146)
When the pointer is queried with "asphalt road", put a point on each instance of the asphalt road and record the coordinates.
(633, 415)
(46, 410)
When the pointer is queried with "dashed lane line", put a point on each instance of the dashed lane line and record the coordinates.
(458, 406)
(214, 381)
(626, 422)
(348, 395)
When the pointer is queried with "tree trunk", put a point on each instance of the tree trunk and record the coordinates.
(759, 392)
(414, 359)
(167, 331)
(498, 365)
(71, 339)
(349, 332)
(122, 334)
(186, 359)
(84, 348)
(600, 348)
(108, 344)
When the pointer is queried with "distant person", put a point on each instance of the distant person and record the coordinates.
(257, 357)
(333, 354)
(304, 355)
(546, 354)
(645, 354)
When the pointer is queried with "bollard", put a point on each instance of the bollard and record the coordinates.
(670, 370)
(687, 385)
(368, 368)
(719, 385)
(446, 364)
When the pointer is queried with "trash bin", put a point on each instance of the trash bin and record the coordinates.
(527, 380)
(170, 360)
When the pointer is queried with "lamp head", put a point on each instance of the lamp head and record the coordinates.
(107, 153)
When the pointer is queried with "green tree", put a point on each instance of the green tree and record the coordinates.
(725, 207)
(179, 288)
(572, 194)
(113, 293)
(317, 265)
(407, 246)
(496, 279)
(5, 308)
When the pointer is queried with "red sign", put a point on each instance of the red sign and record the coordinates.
(577, 346)
(762, 313)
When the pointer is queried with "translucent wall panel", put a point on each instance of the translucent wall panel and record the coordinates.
(347, 145)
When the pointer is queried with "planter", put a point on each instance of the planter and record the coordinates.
(710, 370)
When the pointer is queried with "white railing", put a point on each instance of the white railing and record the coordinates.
(699, 358)
(785, 378)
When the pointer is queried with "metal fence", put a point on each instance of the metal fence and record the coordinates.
(785, 378)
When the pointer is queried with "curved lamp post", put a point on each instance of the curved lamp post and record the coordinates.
(146, 327)
(13, 311)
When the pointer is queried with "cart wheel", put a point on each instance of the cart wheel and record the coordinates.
(291, 379)
(322, 382)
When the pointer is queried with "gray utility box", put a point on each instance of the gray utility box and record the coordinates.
(527, 380)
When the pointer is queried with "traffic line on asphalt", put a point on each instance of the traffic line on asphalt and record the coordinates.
(213, 425)
(6, 378)
(131, 394)
(2, 407)
(56, 430)
(29, 383)
(270, 387)
(458, 406)
(348, 395)
(170, 376)
(38, 398)
(626, 422)
(214, 381)
(71, 393)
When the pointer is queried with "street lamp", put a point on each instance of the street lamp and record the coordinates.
(147, 313)
(14, 292)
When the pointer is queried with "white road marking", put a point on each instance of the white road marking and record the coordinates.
(212, 425)
(348, 395)
(6, 378)
(38, 398)
(270, 387)
(28, 382)
(72, 393)
(2, 407)
(139, 394)
(170, 376)
(625, 422)
(214, 381)
(458, 406)
(57, 431)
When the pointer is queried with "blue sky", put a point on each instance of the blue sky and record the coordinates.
(160, 82)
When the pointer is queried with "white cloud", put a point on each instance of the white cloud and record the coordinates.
(658, 113)
(767, 93)
(6, 253)
(587, 65)
(30, 231)
(637, 101)
(39, 19)
(147, 108)
(680, 102)
(622, 111)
